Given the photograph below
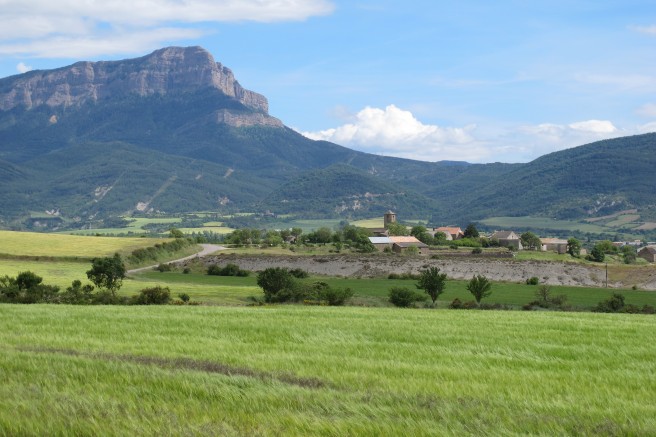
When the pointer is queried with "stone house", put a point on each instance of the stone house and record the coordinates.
(554, 245)
(648, 253)
(507, 239)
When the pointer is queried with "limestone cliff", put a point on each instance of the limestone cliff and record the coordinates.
(168, 70)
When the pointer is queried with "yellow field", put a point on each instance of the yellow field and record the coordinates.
(369, 223)
(59, 245)
(205, 228)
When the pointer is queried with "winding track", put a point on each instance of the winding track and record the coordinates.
(207, 249)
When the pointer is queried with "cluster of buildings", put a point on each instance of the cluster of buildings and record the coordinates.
(383, 241)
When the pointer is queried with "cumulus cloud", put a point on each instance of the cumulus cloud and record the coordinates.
(396, 132)
(30, 27)
(22, 68)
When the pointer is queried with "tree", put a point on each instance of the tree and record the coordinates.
(27, 280)
(629, 254)
(176, 233)
(322, 235)
(397, 229)
(273, 280)
(421, 233)
(479, 286)
(432, 282)
(530, 241)
(574, 247)
(107, 273)
(471, 231)
(597, 254)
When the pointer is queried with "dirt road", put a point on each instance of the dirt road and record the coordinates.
(207, 249)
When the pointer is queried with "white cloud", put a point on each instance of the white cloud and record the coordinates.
(22, 68)
(594, 127)
(43, 28)
(396, 132)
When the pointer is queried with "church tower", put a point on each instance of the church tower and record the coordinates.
(388, 218)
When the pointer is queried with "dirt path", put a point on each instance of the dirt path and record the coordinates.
(207, 249)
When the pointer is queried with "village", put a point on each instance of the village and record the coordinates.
(387, 239)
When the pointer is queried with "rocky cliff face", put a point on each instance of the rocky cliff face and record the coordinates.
(172, 69)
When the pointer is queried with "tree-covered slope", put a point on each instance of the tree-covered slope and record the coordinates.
(347, 191)
(593, 179)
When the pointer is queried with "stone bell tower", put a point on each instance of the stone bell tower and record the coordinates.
(388, 218)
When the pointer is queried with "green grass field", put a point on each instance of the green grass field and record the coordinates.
(293, 370)
(544, 223)
(63, 246)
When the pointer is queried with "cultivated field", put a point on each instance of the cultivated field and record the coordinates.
(293, 370)
(64, 246)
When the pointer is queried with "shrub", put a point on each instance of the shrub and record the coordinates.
(299, 273)
(404, 297)
(613, 304)
(186, 270)
(334, 296)
(456, 304)
(533, 280)
(77, 294)
(184, 297)
(407, 275)
(163, 267)
(153, 296)
(477, 250)
(229, 270)
(275, 281)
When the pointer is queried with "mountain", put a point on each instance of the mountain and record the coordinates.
(174, 131)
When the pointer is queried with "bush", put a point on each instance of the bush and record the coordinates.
(153, 296)
(407, 275)
(163, 268)
(614, 304)
(457, 304)
(229, 270)
(299, 273)
(277, 284)
(533, 281)
(404, 297)
(477, 250)
(186, 270)
(184, 297)
(333, 296)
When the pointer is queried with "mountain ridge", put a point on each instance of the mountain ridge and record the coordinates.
(186, 136)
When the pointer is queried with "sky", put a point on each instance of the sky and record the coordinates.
(472, 80)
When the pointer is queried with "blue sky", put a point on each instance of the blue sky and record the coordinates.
(474, 80)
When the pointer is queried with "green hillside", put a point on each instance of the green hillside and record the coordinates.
(172, 152)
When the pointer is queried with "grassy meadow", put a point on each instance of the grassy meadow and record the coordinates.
(293, 370)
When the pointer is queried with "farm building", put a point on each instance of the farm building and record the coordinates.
(648, 253)
(554, 245)
(452, 233)
(381, 243)
(398, 244)
(507, 239)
